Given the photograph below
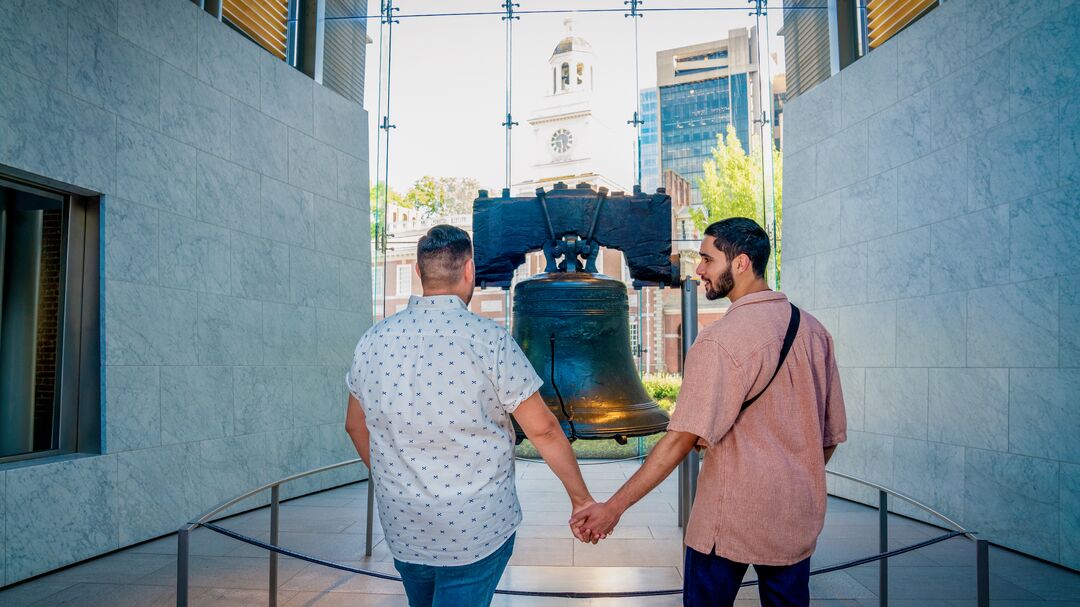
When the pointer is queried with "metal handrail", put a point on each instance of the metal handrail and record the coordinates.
(183, 535)
(233, 501)
(907, 498)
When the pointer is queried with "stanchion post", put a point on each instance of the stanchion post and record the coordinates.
(275, 501)
(370, 512)
(883, 535)
(688, 469)
(683, 496)
(183, 539)
(982, 558)
(694, 460)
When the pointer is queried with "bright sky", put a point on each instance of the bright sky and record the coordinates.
(447, 90)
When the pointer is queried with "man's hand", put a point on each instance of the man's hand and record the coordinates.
(575, 510)
(596, 522)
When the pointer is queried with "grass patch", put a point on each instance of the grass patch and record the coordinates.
(598, 449)
(662, 387)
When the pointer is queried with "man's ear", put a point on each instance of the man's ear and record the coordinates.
(742, 263)
(470, 271)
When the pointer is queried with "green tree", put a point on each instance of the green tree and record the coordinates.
(377, 193)
(440, 196)
(458, 194)
(424, 195)
(732, 185)
(379, 189)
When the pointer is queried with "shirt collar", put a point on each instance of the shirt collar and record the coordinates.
(758, 297)
(436, 302)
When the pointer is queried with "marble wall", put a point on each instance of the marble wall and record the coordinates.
(932, 224)
(235, 274)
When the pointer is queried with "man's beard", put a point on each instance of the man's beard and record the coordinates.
(723, 288)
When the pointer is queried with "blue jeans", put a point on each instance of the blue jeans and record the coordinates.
(712, 581)
(469, 585)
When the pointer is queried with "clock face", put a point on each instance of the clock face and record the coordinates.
(561, 141)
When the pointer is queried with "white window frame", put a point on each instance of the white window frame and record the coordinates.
(404, 279)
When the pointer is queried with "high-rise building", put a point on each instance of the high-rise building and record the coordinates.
(703, 88)
(650, 139)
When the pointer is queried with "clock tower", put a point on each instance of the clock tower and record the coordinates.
(564, 127)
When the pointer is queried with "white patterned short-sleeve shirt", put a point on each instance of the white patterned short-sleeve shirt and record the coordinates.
(437, 384)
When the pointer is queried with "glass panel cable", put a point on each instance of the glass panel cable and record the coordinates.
(382, 158)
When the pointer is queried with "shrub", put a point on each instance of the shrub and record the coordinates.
(666, 404)
(662, 385)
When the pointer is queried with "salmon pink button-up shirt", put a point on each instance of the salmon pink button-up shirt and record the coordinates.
(761, 494)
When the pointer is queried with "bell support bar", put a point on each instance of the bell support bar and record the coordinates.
(507, 228)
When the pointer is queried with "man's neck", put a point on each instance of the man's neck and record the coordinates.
(443, 291)
(757, 286)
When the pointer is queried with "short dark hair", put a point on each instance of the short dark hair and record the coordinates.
(737, 236)
(441, 253)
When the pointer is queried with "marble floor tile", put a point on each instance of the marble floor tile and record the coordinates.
(629, 553)
(120, 568)
(543, 531)
(1049, 582)
(502, 600)
(110, 595)
(543, 551)
(226, 572)
(316, 578)
(345, 599)
(665, 532)
(907, 603)
(590, 579)
(234, 597)
(937, 582)
(30, 592)
(329, 546)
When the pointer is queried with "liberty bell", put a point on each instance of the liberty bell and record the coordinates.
(571, 321)
(574, 328)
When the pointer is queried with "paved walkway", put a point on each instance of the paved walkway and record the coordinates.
(644, 554)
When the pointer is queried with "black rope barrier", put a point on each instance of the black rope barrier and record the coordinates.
(563, 594)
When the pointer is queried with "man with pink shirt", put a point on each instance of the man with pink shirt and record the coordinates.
(761, 493)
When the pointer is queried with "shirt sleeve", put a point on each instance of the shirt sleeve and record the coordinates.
(713, 390)
(835, 414)
(514, 377)
(353, 379)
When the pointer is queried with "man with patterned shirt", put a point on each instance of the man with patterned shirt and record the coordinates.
(432, 389)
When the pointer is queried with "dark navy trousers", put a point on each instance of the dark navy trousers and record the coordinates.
(713, 581)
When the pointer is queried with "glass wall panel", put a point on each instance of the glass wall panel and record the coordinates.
(608, 93)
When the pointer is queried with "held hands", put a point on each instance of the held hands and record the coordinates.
(594, 522)
(578, 507)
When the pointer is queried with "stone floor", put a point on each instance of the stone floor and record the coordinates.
(644, 554)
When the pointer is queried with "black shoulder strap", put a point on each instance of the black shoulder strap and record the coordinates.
(789, 338)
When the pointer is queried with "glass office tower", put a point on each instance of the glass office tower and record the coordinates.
(650, 140)
(702, 89)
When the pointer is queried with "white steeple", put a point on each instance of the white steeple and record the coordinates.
(571, 63)
(563, 124)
